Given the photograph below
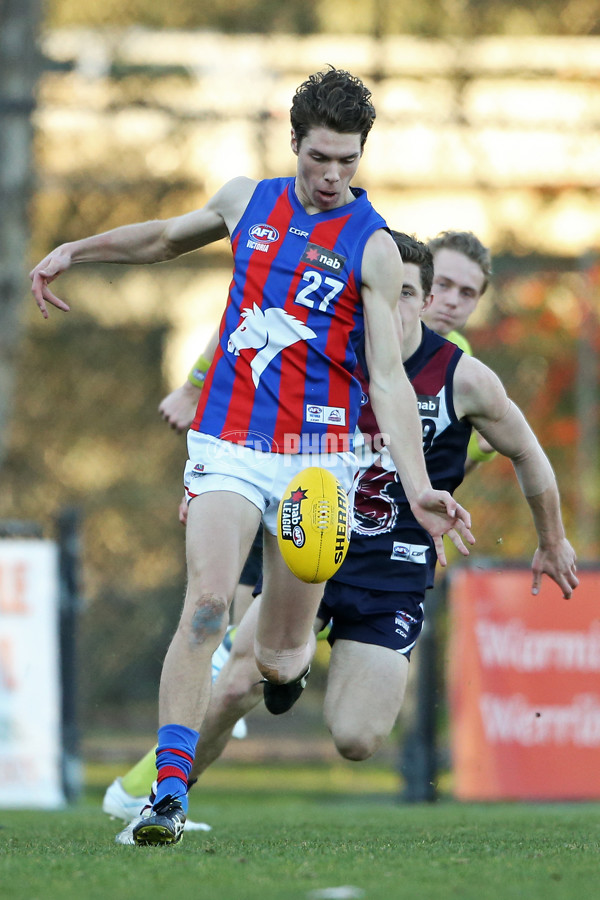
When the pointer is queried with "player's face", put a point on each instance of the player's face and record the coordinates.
(411, 306)
(327, 162)
(457, 286)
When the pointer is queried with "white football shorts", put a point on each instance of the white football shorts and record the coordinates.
(261, 477)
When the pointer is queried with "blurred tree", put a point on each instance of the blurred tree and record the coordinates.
(537, 315)
(19, 68)
(88, 436)
(233, 16)
(378, 17)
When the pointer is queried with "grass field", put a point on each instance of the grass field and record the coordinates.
(296, 833)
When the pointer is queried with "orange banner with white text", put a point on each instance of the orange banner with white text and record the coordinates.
(524, 679)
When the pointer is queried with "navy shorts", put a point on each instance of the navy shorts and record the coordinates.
(252, 570)
(384, 618)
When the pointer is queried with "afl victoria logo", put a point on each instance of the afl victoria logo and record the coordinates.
(266, 234)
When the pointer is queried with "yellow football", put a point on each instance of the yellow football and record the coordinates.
(313, 525)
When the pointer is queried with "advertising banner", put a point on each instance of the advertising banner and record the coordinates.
(524, 678)
(30, 740)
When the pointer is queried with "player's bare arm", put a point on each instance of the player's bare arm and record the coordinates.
(145, 242)
(393, 398)
(214, 221)
(480, 396)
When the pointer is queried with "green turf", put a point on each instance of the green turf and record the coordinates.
(277, 834)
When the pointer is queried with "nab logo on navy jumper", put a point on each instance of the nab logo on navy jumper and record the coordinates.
(428, 406)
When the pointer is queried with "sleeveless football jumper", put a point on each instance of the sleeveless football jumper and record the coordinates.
(282, 377)
(389, 549)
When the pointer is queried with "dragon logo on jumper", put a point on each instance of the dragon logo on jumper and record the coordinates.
(374, 509)
(291, 517)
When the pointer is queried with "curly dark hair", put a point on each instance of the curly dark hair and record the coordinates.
(332, 99)
(418, 253)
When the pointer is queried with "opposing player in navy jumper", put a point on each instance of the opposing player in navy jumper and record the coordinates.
(308, 284)
(376, 600)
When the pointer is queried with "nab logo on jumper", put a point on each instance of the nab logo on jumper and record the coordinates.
(323, 259)
(429, 406)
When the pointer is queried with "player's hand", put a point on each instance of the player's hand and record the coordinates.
(440, 514)
(179, 407)
(560, 564)
(44, 273)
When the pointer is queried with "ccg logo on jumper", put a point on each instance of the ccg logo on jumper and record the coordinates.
(322, 258)
(261, 237)
(428, 406)
(298, 232)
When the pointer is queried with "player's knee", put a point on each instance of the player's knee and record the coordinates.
(282, 666)
(236, 692)
(237, 682)
(355, 744)
(208, 620)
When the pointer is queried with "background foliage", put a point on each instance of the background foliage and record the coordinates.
(428, 19)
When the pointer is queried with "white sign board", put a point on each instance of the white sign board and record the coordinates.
(30, 738)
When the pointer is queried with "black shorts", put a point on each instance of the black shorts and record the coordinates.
(383, 618)
(252, 570)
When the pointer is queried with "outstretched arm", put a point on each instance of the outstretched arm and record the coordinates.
(144, 242)
(480, 395)
(394, 401)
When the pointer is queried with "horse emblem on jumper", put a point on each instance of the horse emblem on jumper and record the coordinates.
(269, 333)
